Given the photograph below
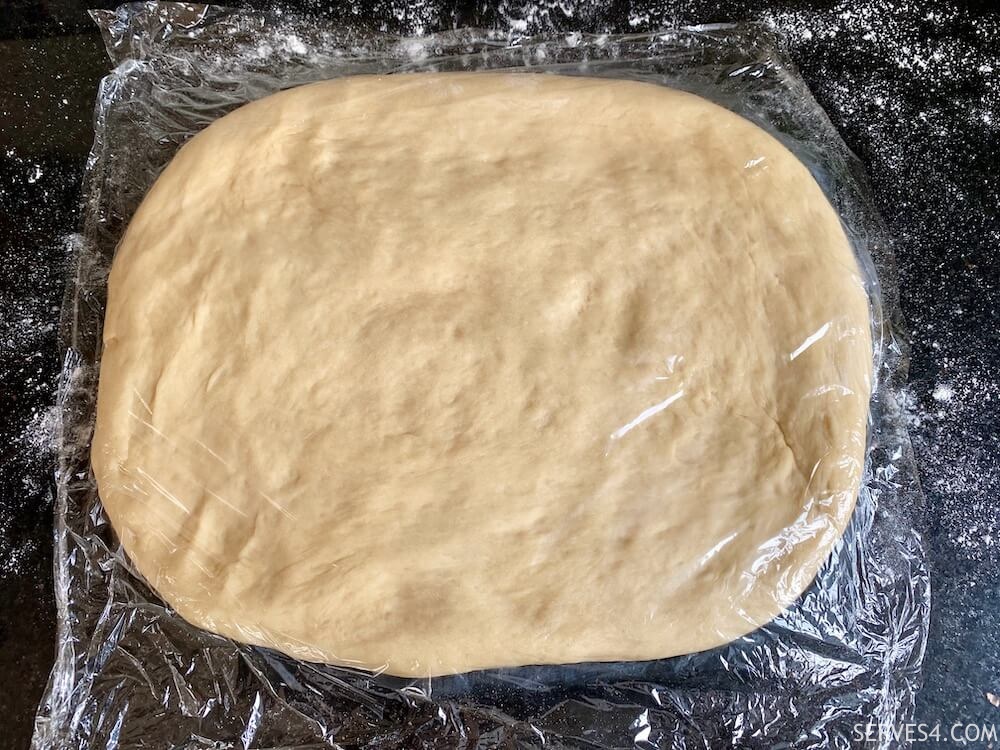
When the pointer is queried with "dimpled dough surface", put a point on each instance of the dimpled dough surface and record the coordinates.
(445, 372)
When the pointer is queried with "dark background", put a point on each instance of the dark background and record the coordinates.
(914, 88)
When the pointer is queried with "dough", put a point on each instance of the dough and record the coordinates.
(433, 373)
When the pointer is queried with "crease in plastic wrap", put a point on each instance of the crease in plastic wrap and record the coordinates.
(130, 672)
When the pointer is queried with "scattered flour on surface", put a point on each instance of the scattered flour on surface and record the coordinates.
(959, 459)
(29, 311)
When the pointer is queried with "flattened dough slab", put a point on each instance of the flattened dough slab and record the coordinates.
(434, 373)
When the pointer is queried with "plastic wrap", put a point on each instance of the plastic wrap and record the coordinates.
(131, 672)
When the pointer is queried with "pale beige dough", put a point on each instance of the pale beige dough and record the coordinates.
(432, 373)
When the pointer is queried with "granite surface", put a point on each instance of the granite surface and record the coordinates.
(914, 88)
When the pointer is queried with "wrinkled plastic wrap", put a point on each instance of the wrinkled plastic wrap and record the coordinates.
(131, 673)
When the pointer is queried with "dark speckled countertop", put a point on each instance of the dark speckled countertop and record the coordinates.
(914, 88)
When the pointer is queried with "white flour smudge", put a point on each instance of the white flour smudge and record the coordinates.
(39, 435)
(943, 392)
